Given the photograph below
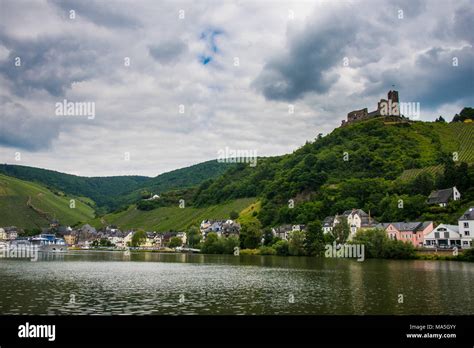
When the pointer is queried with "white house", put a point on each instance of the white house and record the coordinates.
(356, 219)
(298, 228)
(442, 197)
(284, 231)
(3, 234)
(446, 236)
(328, 224)
(183, 236)
(117, 241)
(466, 227)
(128, 239)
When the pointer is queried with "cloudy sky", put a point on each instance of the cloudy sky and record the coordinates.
(175, 82)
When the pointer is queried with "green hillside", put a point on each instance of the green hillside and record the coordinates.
(170, 218)
(357, 166)
(110, 193)
(370, 165)
(454, 137)
(28, 205)
(410, 174)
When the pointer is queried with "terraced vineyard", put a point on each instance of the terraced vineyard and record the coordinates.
(464, 132)
(25, 204)
(410, 174)
(455, 137)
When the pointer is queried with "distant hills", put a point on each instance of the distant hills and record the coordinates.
(171, 218)
(110, 193)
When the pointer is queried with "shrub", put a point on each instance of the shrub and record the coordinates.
(249, 252)
(467, 255)
(378, 245)
(396, 249)
(267, 250)
(229, 244)
(281, 247)
(212, 244)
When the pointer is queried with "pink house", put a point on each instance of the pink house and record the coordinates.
(413, 232)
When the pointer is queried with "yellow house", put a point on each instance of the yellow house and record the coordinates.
(70, 239)
(3, 234)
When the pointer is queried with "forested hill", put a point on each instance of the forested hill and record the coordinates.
(100, 189)
(357, 166)
(112, 192)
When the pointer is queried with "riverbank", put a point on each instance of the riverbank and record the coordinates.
(425, 254)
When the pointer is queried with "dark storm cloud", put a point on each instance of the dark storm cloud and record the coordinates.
(433, 80)
(378, 41)
(47, 63)
(302, 69)
(464, 23)
(168, 52)
(22, 130)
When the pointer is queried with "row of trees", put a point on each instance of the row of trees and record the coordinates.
(311, 242)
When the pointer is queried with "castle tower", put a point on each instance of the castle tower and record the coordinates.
(393, 96)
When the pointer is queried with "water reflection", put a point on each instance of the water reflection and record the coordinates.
(112, 283)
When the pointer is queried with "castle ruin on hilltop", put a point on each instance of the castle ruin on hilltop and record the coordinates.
(385, 107)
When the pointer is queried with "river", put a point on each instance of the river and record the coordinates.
(113, 283)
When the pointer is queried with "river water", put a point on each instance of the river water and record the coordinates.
(113, 283)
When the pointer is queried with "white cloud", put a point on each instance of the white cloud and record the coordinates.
(137, 105)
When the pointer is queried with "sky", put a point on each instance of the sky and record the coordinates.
(171, 83)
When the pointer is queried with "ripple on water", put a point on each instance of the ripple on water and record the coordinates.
(232, 286)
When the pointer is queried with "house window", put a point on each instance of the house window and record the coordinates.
(446, 234)
(465, 243)
(466, 225)
(437, 235)
(466, 233)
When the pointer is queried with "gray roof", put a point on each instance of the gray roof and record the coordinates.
(283, 228)
(364, 217)
(440, 196)
(328, 221)
(382, 225)
(407, 226)
(359, 212)
(468, 214)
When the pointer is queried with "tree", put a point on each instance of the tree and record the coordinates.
(229, 244)
(466, 114)
(145, 194)
(233, 215)
(281, 248)
(296, 245)
(267, 236)
(422, 184)
(138, 238)
(314, 243)
(193, 236)
(175, 242)
(212, 245)
(29, 233)
(373, 240)
(250, 235)
(341, 230)
(378, 245)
